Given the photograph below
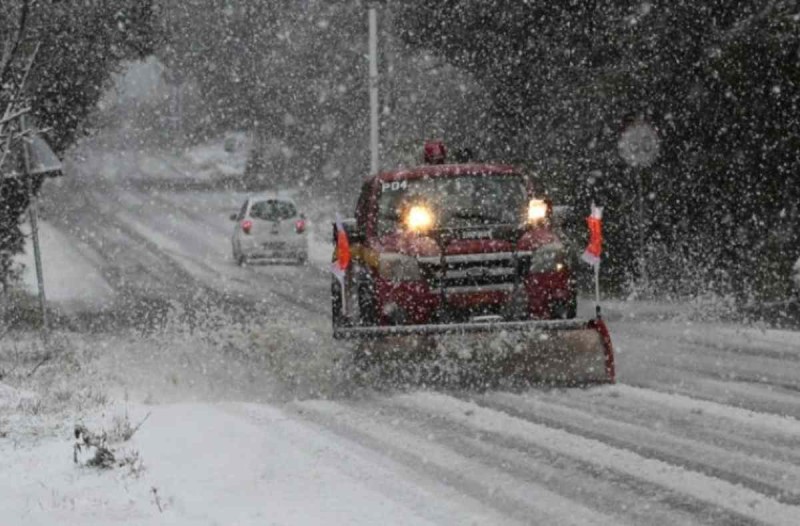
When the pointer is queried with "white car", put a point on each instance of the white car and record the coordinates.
(269, 229)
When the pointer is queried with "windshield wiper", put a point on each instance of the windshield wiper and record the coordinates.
(389, 216)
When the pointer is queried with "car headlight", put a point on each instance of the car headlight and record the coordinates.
(399, 267)
(549, 258)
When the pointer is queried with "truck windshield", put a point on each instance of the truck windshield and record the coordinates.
(457, 201)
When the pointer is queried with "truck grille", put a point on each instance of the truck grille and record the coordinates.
(474, 272)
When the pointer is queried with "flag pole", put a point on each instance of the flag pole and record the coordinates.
(342, 261)
(594, 250)
(597, 289)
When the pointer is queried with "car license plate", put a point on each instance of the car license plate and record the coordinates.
(274, 245)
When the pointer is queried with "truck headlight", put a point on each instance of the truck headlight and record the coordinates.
(419, 219)
(549, 258)
(399, 267)
(537, 210)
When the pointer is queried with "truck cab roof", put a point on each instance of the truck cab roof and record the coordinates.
(445, 170)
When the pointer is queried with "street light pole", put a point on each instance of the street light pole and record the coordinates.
(373, 91)
(642, 258)
(639, 146)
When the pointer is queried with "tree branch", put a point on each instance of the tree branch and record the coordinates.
(11, 47)
(6, 115)
(14, 115)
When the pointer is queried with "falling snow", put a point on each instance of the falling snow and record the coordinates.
(214, 247)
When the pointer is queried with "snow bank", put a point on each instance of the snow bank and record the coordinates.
(203, 464)
(71, 269)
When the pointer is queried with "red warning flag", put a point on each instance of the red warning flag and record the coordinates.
(595, 222)
(342, 261)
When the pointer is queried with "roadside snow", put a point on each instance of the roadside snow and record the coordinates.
(70, 269)
(10, 397)
(203, 464)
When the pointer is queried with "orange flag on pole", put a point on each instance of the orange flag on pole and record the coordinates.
(342, 261)
(595, 222)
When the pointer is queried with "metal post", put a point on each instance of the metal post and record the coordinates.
(33, 214)
(389, 52)
(373, 90)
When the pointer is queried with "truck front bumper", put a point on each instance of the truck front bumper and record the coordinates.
(414, 302)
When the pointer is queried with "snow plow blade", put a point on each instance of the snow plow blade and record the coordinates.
(570, 352)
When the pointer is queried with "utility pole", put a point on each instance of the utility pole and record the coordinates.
(642, 256)
(389, 94)
(374, 143)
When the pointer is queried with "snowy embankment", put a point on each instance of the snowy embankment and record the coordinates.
(72, 271)
(203, 464)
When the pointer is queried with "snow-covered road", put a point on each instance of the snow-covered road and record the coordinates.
(702, 428)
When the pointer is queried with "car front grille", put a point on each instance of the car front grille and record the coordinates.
(466, 273)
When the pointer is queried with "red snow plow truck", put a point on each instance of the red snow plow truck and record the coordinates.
(463, 254)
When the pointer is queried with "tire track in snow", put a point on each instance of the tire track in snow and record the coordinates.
(127, 253)
(372, 468)
(778, 424)
(712, 363)
(776, 479)
(657, 363)
(723, 494)
(770, 343)
(682, 416)
(174, 248)
(523, 500)
(616, 495)
(761, 398)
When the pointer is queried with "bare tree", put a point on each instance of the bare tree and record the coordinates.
(15, 106)
(56, 60)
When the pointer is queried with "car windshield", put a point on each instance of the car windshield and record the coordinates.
(272, 210)
(458, 201)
